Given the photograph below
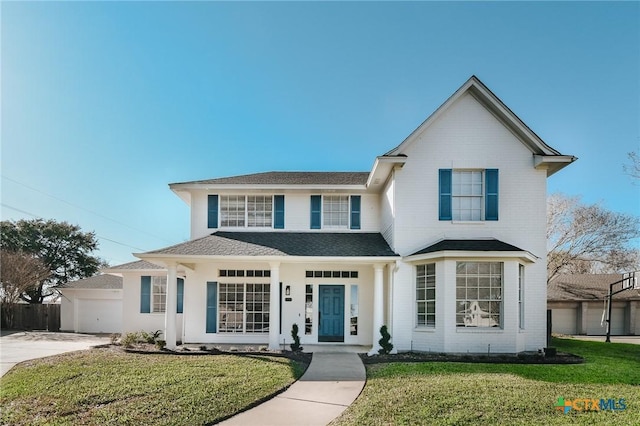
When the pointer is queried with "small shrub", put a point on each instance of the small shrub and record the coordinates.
(160, 344)
(295, 346)
(385, 344)
(129, 339)
(114, 338)
(203, 347)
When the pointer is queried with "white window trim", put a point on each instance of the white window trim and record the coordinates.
(500, 326)
(246, 211)
(481, 197)
(154, 282)
(322, 214)
(425, 326)
(244, 284)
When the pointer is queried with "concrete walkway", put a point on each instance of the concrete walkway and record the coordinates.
(25, 345)
(330, 384)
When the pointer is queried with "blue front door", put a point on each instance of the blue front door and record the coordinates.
(331, 313)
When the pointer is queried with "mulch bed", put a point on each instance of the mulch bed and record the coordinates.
(145, 348)
(522, 358)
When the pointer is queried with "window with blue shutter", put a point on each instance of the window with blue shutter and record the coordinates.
(444, 205)
(180, 295)
(212, 212)
(145, 294)
(316, 211)
(212, 307)
(355, 211)
(278, 209)
(491, 197)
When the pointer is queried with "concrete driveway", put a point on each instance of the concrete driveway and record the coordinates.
(21, 346)
(634, 340)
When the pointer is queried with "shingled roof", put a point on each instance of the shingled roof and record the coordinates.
(586, 287)
(489, 244)
(288, 178)
(284, 244)
(104, 281)
(138, 265)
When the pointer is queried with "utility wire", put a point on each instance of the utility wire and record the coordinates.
(84, 209)
(99, 236)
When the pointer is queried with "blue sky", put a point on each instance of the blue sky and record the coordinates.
(105, 103)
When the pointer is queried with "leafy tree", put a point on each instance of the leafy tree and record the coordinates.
(62, 247)
(18, 273)
(583, 238)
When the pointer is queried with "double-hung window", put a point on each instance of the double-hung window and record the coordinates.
(253, 211)
(426, 295)
(159, 294)
(468, 195)
(479, 294)
(335, 211)
(232, 210)
(153, 294)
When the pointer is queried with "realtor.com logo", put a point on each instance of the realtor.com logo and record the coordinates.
(589, 404)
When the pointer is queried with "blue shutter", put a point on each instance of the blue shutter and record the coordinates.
(145, 295)
(355, 212)
(316, 209)
(444, 182)
(180, 295)
(212, 216)
(491, 196)
(278, 208)
(212, 307)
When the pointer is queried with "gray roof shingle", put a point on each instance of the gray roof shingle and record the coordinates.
(135, 266)
(104, 281)
(585, 287)
(284, 244)
(288, 178)
(490, 244)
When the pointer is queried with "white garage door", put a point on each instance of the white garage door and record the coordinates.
(99, 316)
(594, 318)
(563, 321)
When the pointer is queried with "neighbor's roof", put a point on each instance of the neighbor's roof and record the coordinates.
(489, 244)
(585, 287)
(288, 178)
(104, 281)
(319, 244)
(138, 265)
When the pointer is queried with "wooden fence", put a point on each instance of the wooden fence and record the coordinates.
(35, 317)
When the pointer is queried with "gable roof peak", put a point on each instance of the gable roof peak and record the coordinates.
(481, 93)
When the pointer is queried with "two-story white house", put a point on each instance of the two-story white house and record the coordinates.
(443, 241)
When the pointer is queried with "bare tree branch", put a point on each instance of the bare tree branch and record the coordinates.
(585, 238)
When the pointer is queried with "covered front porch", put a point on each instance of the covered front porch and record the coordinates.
(333, 303)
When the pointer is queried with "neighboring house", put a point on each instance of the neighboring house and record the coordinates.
(578, 305)
(92, 305)
(443, 240)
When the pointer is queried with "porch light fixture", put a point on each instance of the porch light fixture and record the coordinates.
(287, 290)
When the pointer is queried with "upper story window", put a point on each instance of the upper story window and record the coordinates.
(335, 211)
(240, 211)
(468, 195)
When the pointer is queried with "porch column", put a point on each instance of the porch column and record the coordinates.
(274, 306)
(378, 306)
(171, 306)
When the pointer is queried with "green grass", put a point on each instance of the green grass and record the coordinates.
(443, 393)
(113, 387)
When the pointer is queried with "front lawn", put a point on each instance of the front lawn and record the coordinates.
(444, 393)
(106, 386)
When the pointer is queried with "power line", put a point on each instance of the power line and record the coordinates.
(98, 236)
(84, 209)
